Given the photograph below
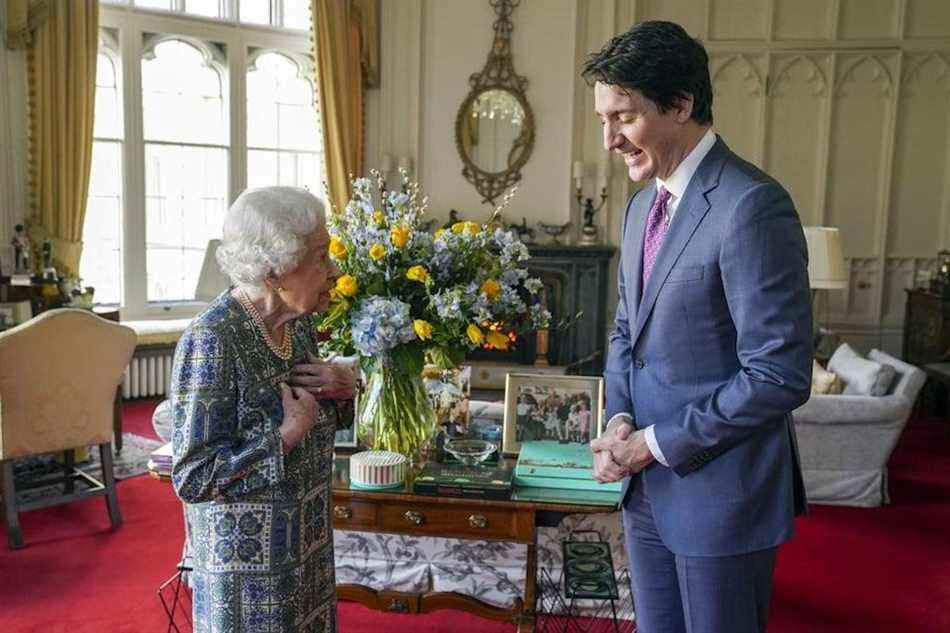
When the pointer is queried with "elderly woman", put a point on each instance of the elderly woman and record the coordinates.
(254, 423)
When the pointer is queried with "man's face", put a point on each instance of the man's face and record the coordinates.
(652, 143)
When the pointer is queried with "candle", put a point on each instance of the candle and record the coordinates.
(405, 162)
(578, 170)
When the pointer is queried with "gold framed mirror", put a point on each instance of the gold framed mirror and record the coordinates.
(494, 127)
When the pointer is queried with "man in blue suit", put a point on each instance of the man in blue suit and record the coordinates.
(711, 350)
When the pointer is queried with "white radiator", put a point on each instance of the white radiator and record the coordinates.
(148, 375)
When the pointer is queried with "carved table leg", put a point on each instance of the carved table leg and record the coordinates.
(527, 622)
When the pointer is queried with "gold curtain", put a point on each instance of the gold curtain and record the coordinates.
(344, 34)
(62, 39)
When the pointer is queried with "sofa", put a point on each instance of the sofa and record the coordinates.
(845, 440)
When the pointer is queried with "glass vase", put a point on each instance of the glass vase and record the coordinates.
(395, 413)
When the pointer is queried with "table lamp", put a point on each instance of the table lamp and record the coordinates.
(826, 269)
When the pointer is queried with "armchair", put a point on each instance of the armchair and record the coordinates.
(58, 378)
(845, 441)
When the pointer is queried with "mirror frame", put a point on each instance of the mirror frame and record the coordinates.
(497, 74)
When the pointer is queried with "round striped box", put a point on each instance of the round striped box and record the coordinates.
(377, 470)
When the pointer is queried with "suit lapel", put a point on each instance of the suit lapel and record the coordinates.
(690, 212)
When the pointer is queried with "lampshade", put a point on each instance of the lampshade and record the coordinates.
(825, 262)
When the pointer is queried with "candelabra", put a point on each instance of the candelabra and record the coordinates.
(589, 230)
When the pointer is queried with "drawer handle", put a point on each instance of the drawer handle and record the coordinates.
(477, 521)
(415, 518)
(342, 512)
(398, 606)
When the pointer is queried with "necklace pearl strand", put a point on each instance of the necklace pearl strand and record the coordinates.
(283, 351)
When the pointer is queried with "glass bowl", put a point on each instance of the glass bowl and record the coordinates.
(469, 451)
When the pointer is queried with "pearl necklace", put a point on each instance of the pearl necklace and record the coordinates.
(283, 351)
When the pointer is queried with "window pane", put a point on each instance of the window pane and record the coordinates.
(186, 193)
(108, 117)
(207, 8)
(182, 97)
(297, 14)
(101, 263)
(255, 11)
(165, 5)
(295, 169)
(281, 106)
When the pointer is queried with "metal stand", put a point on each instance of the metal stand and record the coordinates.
(587, 576)
(170, 603)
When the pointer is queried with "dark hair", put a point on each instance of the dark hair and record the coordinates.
(660, 60)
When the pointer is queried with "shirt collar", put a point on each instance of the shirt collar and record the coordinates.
(677, 182)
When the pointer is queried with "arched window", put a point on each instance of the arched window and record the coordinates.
(101, 264)
(185, 133)
(283, 134)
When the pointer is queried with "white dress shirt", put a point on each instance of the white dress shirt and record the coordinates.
(676, 184)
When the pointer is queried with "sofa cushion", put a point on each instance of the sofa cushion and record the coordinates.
(862, 377)
(824, 382)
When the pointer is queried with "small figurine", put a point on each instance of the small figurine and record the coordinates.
(453, 219)
(48, 271)
(21, 251)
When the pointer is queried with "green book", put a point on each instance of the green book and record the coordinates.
(456, 480)
(551, 464)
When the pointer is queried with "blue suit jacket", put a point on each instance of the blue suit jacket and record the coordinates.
(716, 353)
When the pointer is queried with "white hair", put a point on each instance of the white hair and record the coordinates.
(265, 232)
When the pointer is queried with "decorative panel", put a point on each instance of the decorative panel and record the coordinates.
(927, 18)
(920, 157)
(868, 19)
(802, 19)
(857, 303)
(901, 273)
(690, 14)
(738, 94)
(861, 112)
(737, 19)
(796, 129)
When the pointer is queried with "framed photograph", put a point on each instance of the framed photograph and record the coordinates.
(348, 411)
(561, 409)
(15, 313)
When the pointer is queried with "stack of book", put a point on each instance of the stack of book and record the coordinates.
(457, 480)
(160, 461)
(546, 467)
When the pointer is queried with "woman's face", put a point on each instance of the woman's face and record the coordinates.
(307, 287)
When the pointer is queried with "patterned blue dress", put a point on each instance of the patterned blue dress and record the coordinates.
(258, 520)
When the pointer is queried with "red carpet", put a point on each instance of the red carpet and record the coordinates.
(849, 570)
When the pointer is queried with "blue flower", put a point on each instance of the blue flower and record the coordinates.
(380, 324)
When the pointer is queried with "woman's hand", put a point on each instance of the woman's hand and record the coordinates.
(324, 380)
(300, 415)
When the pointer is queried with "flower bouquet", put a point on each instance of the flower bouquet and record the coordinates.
(407, 296)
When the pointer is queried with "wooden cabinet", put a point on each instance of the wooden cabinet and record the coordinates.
(926, 327)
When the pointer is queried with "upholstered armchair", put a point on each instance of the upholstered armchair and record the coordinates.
(58, 379)
(845, 441)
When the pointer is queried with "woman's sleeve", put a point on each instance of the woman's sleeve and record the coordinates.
(211, 460)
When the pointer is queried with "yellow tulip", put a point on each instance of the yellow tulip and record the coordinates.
(346, 285)
(498, 340)
(337, 248)
(417, 273)
(378, 218)
(491, 288)
(399, 236)
(423, 329)
(377, 252)
(438, 233)
(472, 228)
(458, 227)
(474, 334)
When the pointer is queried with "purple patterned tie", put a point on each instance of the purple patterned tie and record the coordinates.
(656, 229)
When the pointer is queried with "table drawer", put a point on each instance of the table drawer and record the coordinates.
(353, 514)
(456, 521)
